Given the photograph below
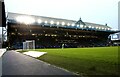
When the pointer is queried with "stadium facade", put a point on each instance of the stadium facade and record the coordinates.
(51, 32)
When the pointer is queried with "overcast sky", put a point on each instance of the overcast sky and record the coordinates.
(95, 11)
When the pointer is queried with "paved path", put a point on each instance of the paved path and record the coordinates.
(2, 51)
(15, 63)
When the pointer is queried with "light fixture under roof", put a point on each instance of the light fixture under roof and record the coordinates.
(78, 25)
(25, 19)
(103, 28)
(92, 27)
(51, 22)
(73, 24)
(58, 23)
(68, 24)
(46, 22)
(89, 26)
(96, 27)
(63, 23)
(39, 21)
(81, 26)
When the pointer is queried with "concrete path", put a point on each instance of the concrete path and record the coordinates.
(2, 51)
(14, 63)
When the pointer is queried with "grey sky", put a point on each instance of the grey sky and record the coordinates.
(95, 11)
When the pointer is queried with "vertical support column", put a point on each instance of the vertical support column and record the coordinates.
(0, 37)
(27, 45)
(33, 44)
(0, 66)
(1, 24)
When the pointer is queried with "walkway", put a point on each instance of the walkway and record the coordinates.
(15, 63)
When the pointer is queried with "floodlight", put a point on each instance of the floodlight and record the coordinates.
(73, 24)
(58, 23)
(25, 19)
(78, 25)
(68, 24)
(39, 20)
(102, 28)
(33, 34)
(89, 26)
(92, 26)
(108, 28)
(63, 23)
(81, 26)
(52, 22)
(96, 27)
(46, 22)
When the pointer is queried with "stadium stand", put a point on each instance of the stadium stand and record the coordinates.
(51, 32)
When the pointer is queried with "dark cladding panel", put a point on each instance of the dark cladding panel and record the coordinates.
(2, 15)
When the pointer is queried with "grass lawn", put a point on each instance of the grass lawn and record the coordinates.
(86, 61)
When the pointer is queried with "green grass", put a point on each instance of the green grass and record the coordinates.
(85, 61)
(88, 61)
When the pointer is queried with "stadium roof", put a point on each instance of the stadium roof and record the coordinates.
(32, 19)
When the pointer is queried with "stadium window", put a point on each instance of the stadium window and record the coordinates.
(19, 34)
(63, 23)
(30, 30)
(16, 30)
(75, 36)
(58, 23)
(51, 22)
(12, 33)
(39, 21)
